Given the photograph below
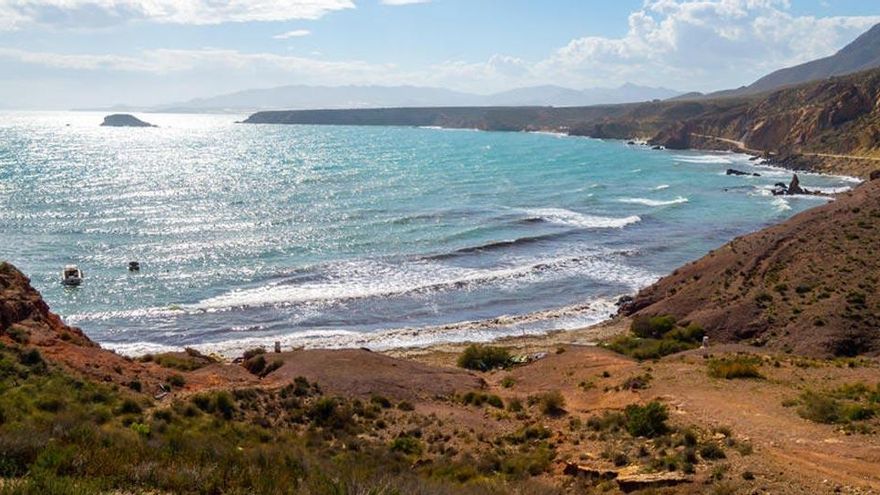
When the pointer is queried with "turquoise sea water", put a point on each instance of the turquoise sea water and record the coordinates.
(354, 236)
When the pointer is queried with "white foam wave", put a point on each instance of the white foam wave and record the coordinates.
(540, 322)
(653, 202)
(831, 190)
(550, 133)
(780, 203)
(571, 218)
(661, 187)
(364, 279)
(703, 159)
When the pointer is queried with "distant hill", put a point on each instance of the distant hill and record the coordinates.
(862, 54)
(808, 285)
(564, 97)
(302, 97)
(835, 116)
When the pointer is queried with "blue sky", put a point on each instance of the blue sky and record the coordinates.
(64, 53)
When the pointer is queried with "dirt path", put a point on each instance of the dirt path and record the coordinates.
(742, 146)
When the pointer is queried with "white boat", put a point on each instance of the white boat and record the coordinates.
(71, 275)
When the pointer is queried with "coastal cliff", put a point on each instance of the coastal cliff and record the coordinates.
(831, 125)
(828, 126)
(808, 285)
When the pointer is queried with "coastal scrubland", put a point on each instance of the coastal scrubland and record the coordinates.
(567, 418)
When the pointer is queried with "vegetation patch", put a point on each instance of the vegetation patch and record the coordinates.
(730, 368)
(656, 336)
(484, 358)
(853, 405)
(648, 420)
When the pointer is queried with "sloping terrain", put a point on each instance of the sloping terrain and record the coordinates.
(25, 319)
(861, 54)
(808, 285)
(838, 116)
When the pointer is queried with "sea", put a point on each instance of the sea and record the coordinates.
(355, 236)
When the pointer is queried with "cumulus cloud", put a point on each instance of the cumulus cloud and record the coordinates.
(710, 41)
(683, 44)
(16, 14)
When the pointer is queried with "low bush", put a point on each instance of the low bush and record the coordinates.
(730, 368)
(407, 445)
(655, 337)
(549, 403)
(849, 403)
(484, 358)
(479, 399)
(711, 452)
(646, 421)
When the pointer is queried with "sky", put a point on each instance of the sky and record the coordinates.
(77, 53)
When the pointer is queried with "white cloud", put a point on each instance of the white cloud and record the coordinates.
(167, 61)
(296, 33)
(15, 14)
(684, 44)
(705, 42)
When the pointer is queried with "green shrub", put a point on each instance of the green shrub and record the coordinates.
(820, 408)
(479, 398)
(652, 327)
(129, 406)
(224, 404)
(256, 364)
(646, 421)
(735, 367)
(407, 445)
(655, 337)
(549, 403)
(250, 353)
(711, 452)
(508, 382)
(484, 358)
(608, 421)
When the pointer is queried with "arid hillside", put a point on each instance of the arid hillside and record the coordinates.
(829, 125)
(808, 285)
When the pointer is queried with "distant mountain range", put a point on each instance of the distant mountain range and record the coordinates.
(300, 97)
(862, 54)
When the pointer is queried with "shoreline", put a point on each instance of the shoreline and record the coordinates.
(446, 343)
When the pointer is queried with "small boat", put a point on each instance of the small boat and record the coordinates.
(71, 276)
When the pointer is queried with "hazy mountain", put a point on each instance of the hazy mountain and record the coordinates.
(565, 97)
(862, 54)
(313, 97)
(299, 97)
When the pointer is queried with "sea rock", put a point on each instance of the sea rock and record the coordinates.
(733, 171)
(794, 187)
(124, 120)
